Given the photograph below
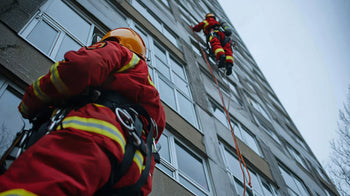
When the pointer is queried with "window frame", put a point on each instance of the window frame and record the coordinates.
(224, 149)
(173, 167)
(42, 15)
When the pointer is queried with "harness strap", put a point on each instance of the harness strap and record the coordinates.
(114, 100)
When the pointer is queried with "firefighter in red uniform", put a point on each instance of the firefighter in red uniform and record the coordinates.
(75, 159)
(222, 51)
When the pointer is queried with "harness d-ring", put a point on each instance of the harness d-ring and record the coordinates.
(129, 124)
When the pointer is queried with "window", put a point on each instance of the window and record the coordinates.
(171, 79)
(54, 33)
(241, 132)
(300, 142)
(156, 22)
(259, 108)
(260, 186)
(11, 121)
(183, 165)
(296, 155)
(295, 186)
(266, 128)
(233, 90)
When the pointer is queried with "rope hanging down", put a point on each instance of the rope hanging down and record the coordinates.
(239, 155)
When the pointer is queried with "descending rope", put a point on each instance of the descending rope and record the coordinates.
(240, 157)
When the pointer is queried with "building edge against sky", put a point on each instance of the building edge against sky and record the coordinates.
(198, 152)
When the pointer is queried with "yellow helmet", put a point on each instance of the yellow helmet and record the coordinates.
(128, 38)
(209, 15)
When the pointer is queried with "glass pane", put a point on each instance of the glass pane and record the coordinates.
(66, 45)
(167, 93)
(143, 36)
(160, 53)
(191, 165)
(186, 109)
(178, 69)
(190, 186)
(170, 36)
(182, 85)
(66, 17)
(219, 114)
(255, 182)
(250, 141)
(302, 188)
(43, 36)
(164, 150)
(163, 68)
(233, 165)
(289, 180)
(240, 189)
(10, 119)
(267, 189)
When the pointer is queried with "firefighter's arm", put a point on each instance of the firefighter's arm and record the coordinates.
(198, 27)
(89, 66)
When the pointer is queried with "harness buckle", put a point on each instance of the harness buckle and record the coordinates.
(125, 118)
(56, 119)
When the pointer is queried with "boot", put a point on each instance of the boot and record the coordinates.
(229, 68)
(222, 60)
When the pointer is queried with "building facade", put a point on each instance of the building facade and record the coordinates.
(198, 152)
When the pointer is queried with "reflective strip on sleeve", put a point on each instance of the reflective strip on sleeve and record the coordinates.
(57, 81)
(96, 126)
(206, 23)
(23, 109)
(150, 81)
(138, 159)
(39, 93)
(17, 192)
(229, 58)
(134, 61)
(219, 50)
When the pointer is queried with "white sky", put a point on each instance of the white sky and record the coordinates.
(303, 50)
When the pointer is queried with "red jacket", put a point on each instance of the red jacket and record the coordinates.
(206, 25)
(105, 64)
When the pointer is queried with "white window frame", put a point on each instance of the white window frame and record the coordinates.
(257, 106)
(160, 26)
(171, 82)
(296, 156)
(240, 131)
(299, 184)
(172, 166)
(236, 177)
(41, 15)
(266, 129)
(7, 85)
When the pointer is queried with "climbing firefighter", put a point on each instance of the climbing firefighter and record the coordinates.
(219, 42)
(104, 143)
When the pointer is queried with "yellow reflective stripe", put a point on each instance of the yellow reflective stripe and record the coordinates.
(206, 23)
(219, 50)
(134, 61)
(150, 81)
(57, 81)
(17, 192)
(23, 109)
(229, 58)
(138, 159)
(39, 93)
(95, 126)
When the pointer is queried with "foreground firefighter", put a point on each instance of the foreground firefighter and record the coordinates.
(219, 42)
(103, 144)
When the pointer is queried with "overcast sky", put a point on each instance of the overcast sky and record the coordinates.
(303, 50)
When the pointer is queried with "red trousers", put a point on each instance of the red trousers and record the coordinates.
(64, 163)
(218, 49)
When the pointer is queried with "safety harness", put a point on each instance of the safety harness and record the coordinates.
(130, 115)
